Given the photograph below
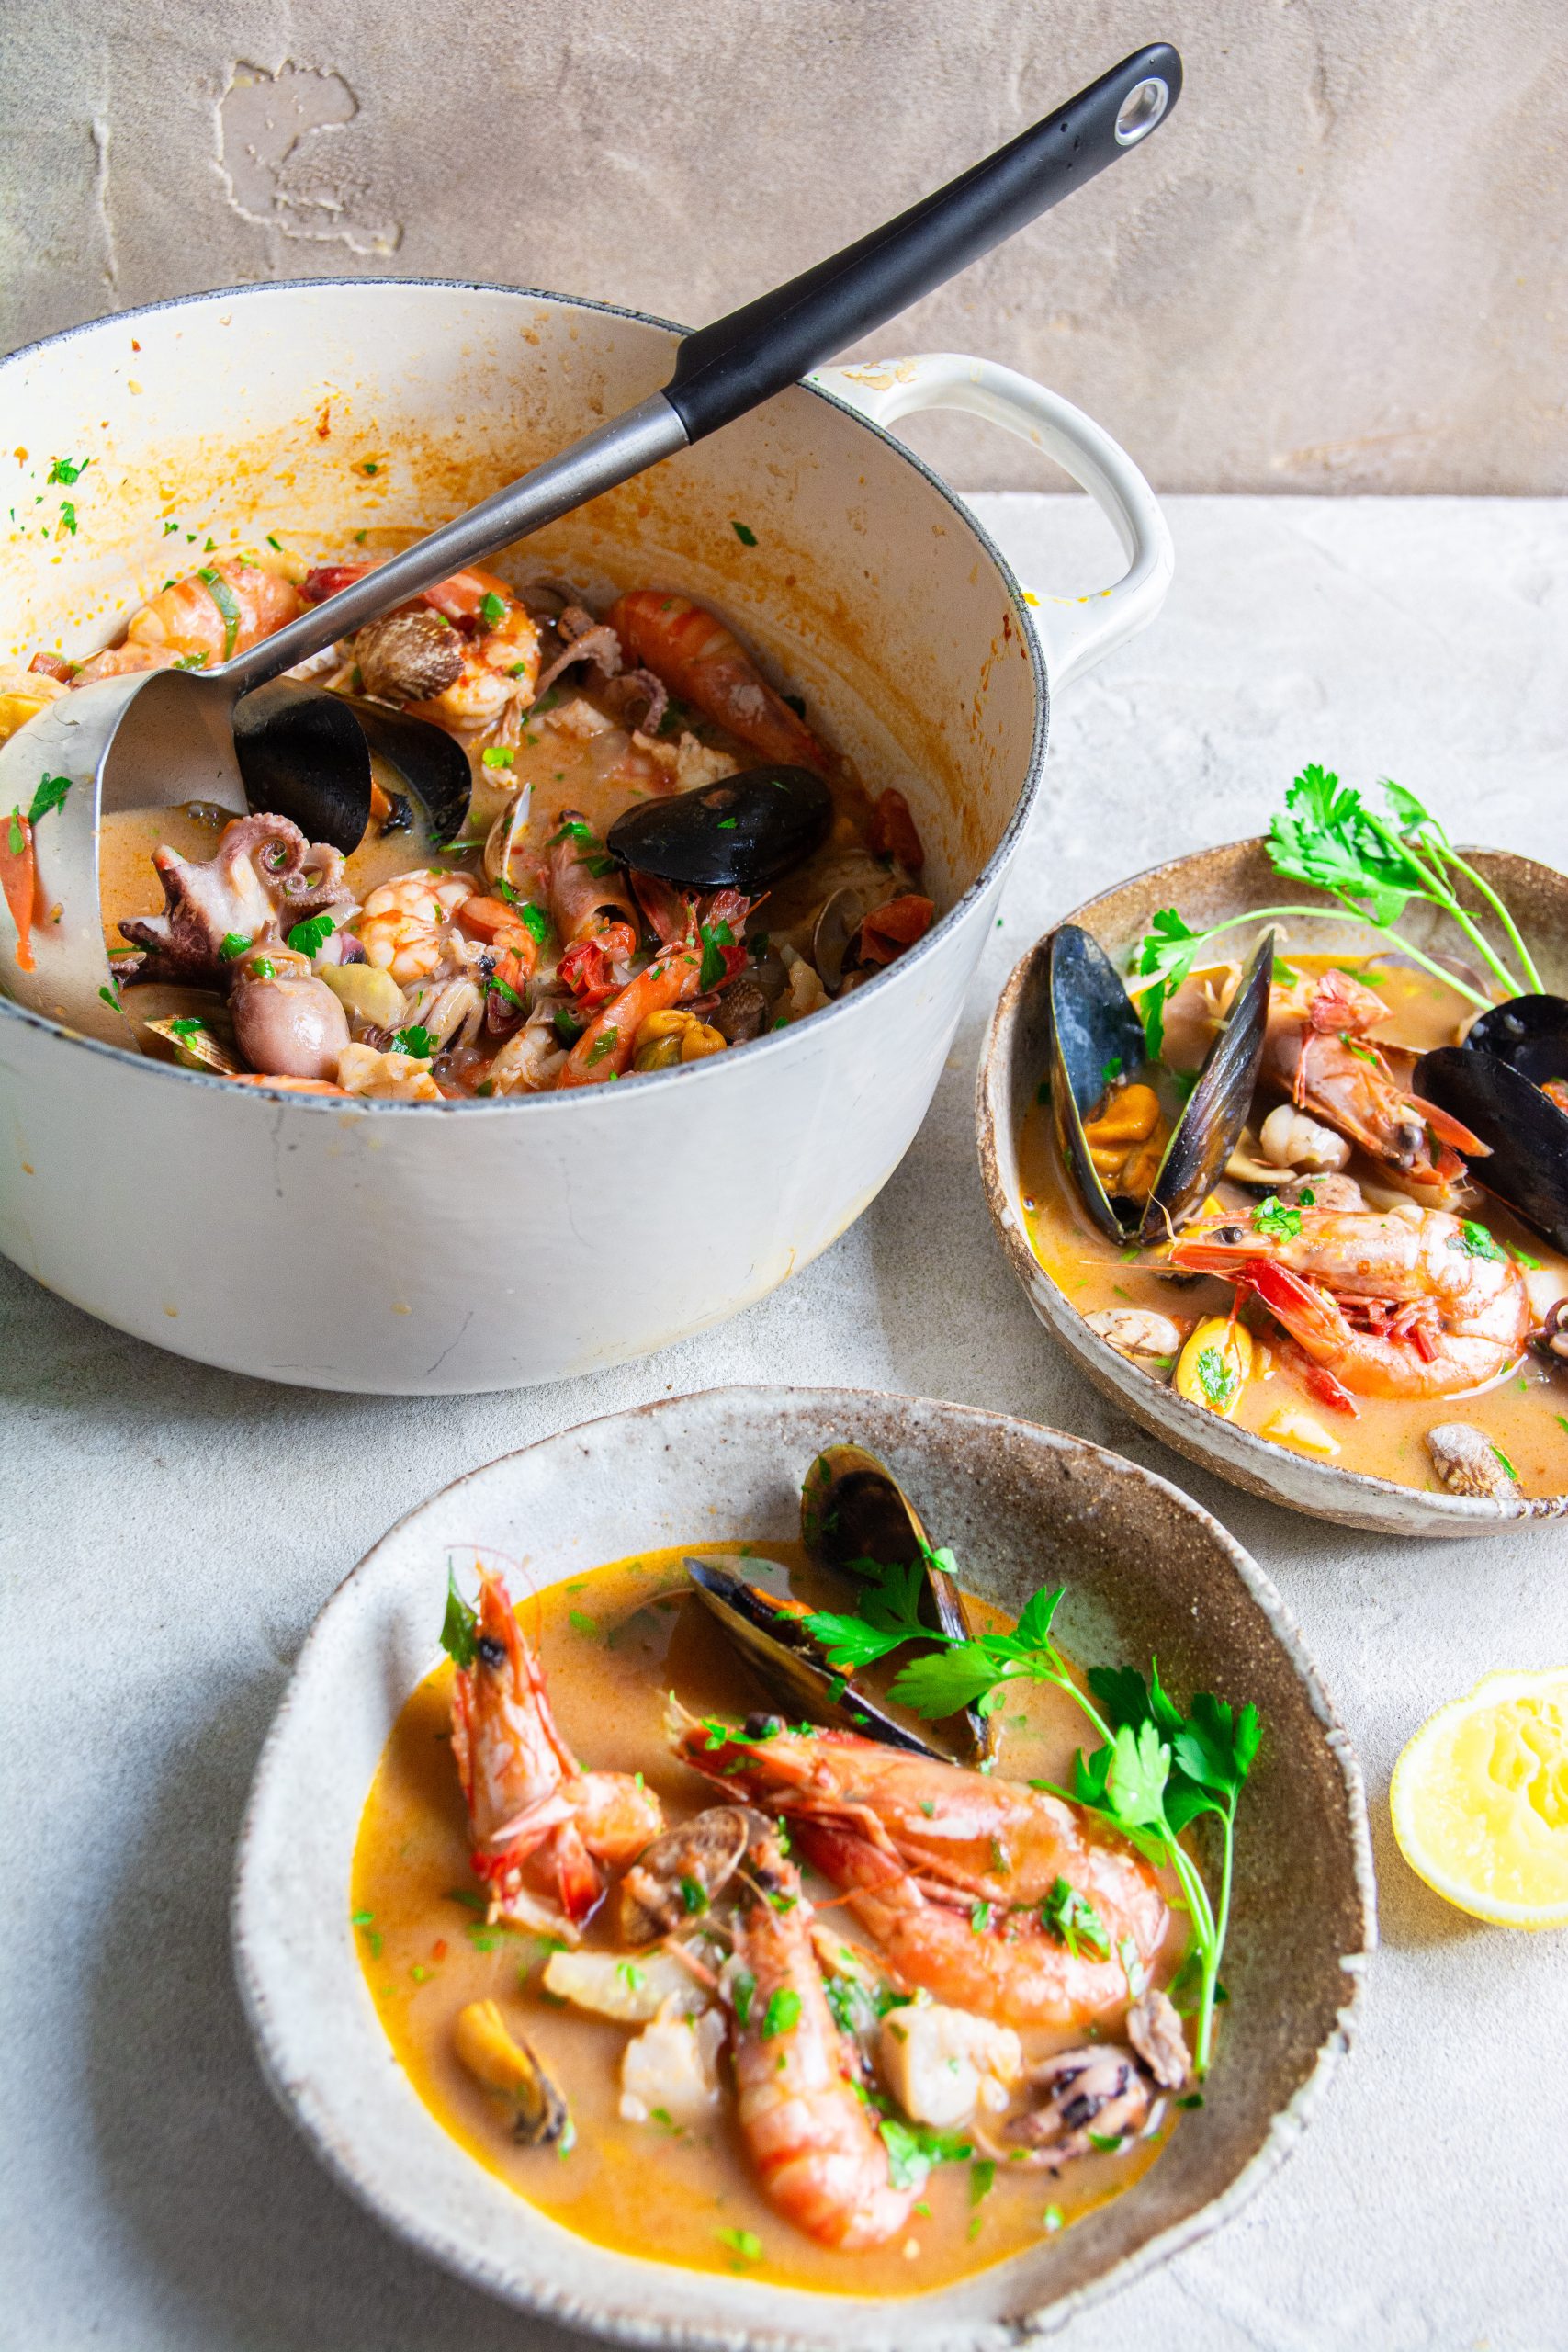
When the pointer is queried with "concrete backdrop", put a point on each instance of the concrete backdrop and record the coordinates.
(1342, 265)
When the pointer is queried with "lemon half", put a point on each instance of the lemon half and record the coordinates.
(1479, 1799)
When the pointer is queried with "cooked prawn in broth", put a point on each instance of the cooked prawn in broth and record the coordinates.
(1352, 1285)
(568, 934)
(724, 1990)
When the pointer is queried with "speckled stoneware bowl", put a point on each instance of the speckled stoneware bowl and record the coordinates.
(1209, 888)
(1145, 1571)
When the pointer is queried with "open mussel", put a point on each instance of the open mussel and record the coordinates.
(856, 1519)
(1139, 1180)
(770, 1634)
(306, 755)
(741, 832)
(1508, 1083)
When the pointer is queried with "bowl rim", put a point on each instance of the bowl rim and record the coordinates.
(1219, 1446)
(509, 1106)
(257, 1977)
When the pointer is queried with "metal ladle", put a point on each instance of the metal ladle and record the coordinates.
(156, 738)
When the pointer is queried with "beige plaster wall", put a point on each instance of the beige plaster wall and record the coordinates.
(1342, 265)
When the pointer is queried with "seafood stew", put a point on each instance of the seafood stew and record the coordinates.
(880, 2018)
(645, 856)
(1325, 1200)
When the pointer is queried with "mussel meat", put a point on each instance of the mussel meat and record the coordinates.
(742, 832)
(514, 2073)
(1098, 1049)
(770, 1635)
(1497, 1082)
(306, 755)
(856, 1519)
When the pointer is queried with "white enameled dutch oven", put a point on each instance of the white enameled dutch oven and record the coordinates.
(409, 1249)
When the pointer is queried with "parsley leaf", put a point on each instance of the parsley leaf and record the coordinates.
(415, 1041)
(459, 1627)
(234, 944)
(309, 938)
(745, 534)
(492, 609)
(744, 2245)
(1217, 1375)
(1273, 1218)
(715, 937)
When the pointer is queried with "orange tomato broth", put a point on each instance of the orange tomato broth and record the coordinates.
(1524, 1412)
(613, 1642)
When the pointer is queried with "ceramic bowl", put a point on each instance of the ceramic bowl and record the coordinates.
(1209, 888)
(1147, 1571)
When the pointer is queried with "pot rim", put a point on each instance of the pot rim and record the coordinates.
(707, 1070)
(1240, 1456)
(433, 2241)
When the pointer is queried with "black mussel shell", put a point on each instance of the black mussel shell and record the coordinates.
(305, 754)
(854, 1519)
(1096, 1036)
(1529, 1033)
(768, 1632)
(742, 833)
(431, 763)
(1528, 1164)
(1215, 1112)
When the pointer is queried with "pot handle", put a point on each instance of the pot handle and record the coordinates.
(1076, 631)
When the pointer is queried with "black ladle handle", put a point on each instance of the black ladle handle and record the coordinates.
(740, 361)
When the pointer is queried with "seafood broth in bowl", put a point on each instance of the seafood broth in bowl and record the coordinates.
(879, 1969)
(1320, 1197)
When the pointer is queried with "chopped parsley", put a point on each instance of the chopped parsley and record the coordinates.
(744, 2245)
(1475, 1240)
(496, 986)
(416, 1041)
(914, 2148)
(745, 534)
(498, 755)
(492, 609)
(743, 1991)
(234, 944)
(222, 596)
(66, 470)
(68, 516)
(605, 1043)
(782, 2012)
(1217, 1377)
(1277, 1222)
(51, 794)
(1506, 1463)
(566, 1025)
(1072, 1919)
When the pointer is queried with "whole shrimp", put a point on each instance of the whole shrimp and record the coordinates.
(917, 1845)
(700, 660)
(1404, 1303)
(541, 1826)
(806, 2128)
(1315, 1049)
(199, 621)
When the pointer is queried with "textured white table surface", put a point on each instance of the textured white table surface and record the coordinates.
(170, 1532)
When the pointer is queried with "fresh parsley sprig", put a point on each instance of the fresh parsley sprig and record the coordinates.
(1374, 865)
